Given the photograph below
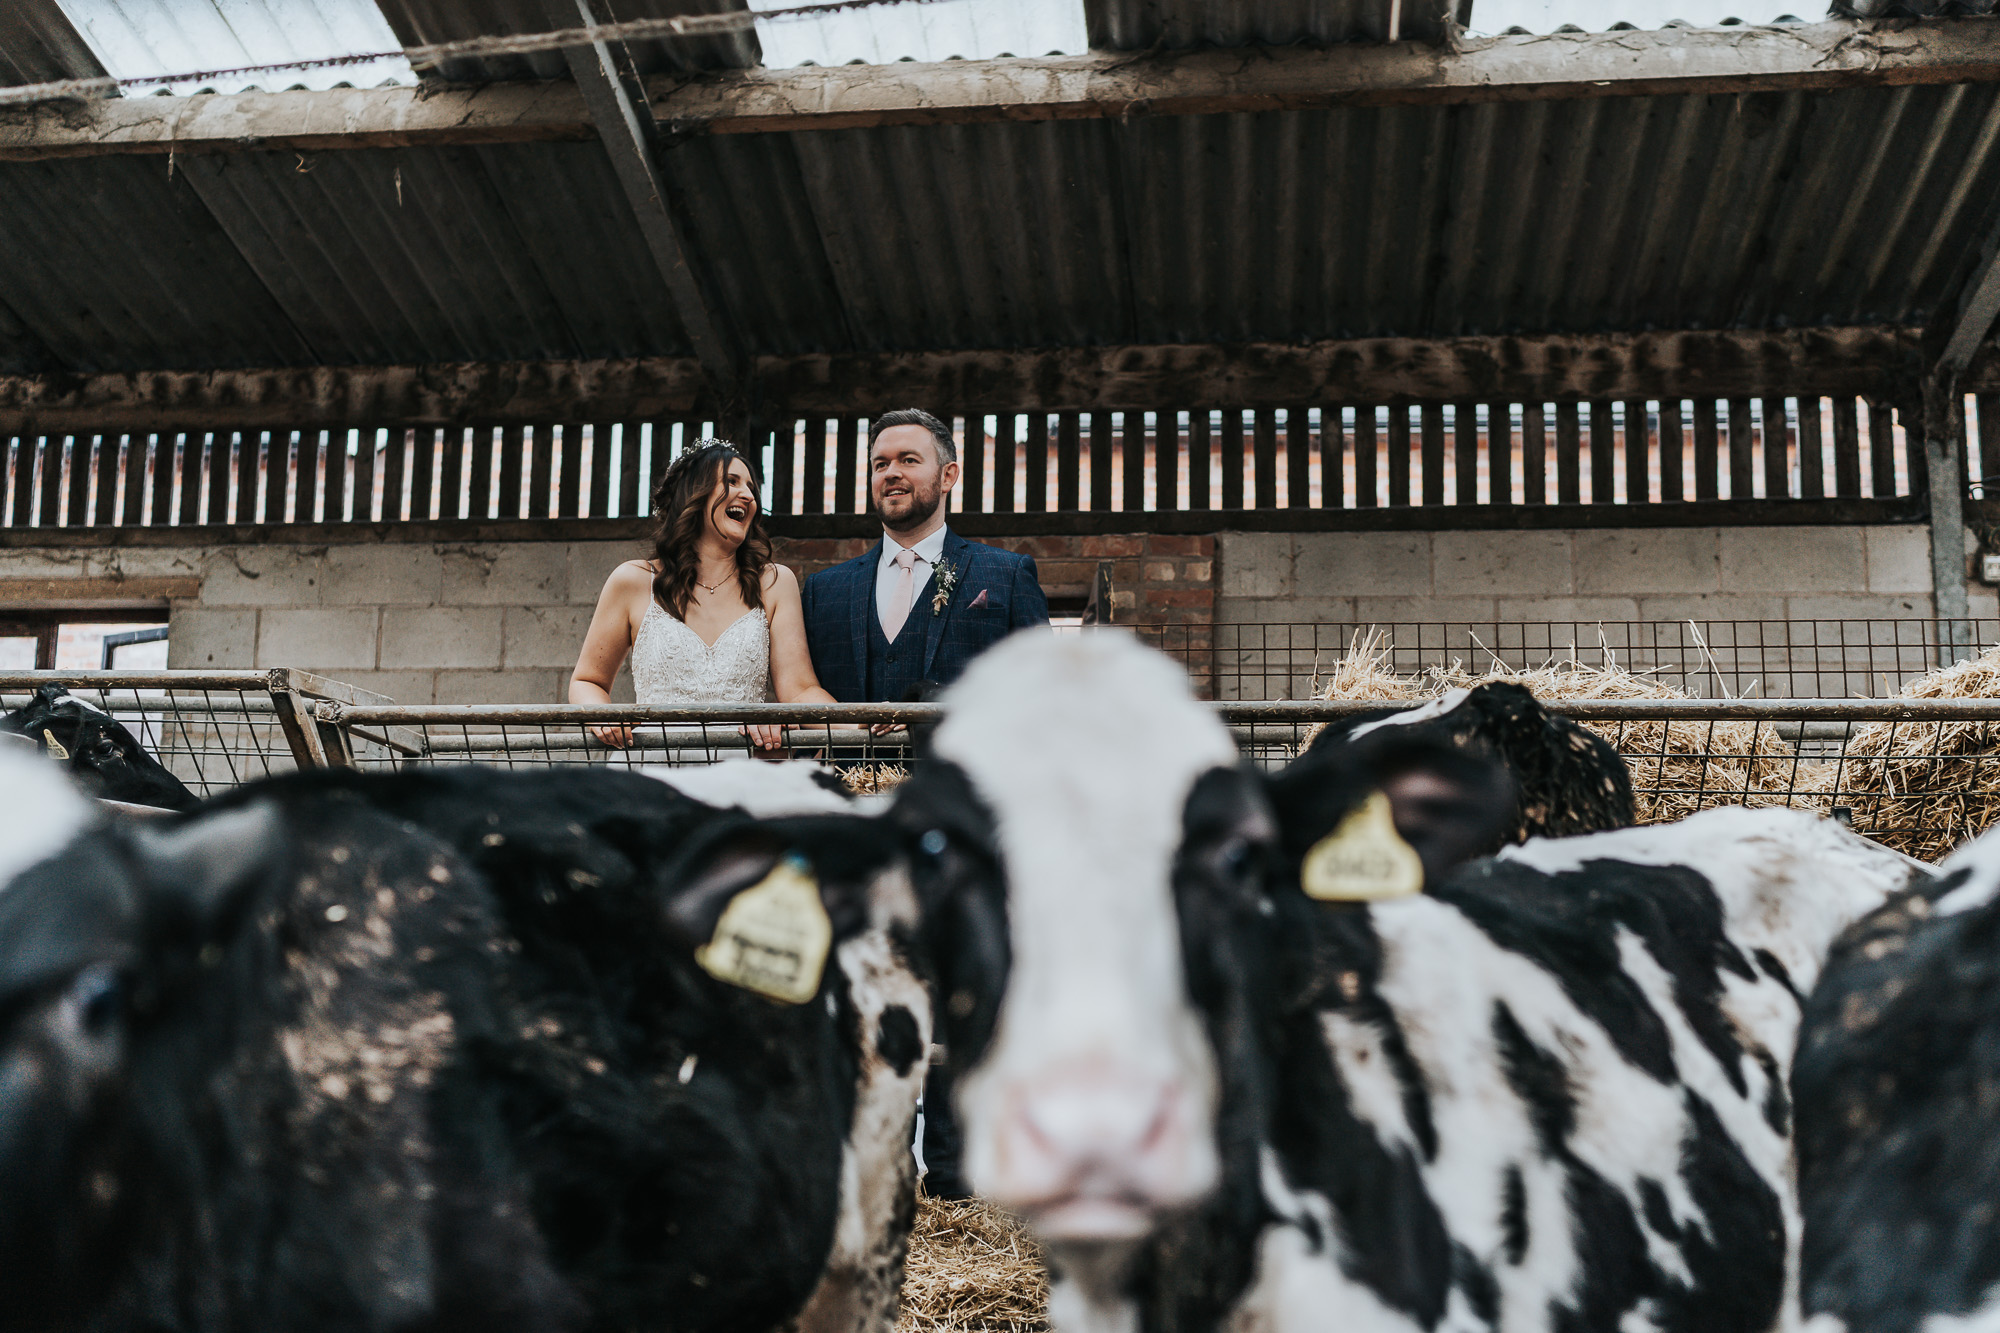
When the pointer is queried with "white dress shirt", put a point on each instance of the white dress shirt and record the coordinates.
(928, 551)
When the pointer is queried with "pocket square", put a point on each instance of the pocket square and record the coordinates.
(978, 601)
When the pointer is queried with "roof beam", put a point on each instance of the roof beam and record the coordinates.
(1837, 54)
(1878, 362)
(617, 106)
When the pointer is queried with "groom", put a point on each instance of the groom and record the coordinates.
(926, 601)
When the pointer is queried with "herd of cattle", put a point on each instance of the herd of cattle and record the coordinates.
(1412, 1034)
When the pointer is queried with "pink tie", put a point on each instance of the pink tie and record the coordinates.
(898, 609)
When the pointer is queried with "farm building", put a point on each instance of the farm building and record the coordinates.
(1263, 323)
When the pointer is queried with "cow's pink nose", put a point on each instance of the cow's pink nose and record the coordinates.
(1098, 1155)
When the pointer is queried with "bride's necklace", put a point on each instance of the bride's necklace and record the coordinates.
(710, 587)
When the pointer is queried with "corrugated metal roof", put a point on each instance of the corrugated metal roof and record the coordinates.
(141, 38)
(445, 254)
(420, 22)
(38, 44)
(961, 30)
(111, 265)
(1137, 25)
(1769, 210)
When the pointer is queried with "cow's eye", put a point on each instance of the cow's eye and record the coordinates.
(104, 748)
(933, 842)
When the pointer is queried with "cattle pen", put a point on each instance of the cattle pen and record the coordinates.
(1914, 772)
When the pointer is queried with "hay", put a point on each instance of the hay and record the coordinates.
(1925, 787)
(1747, 763)
(873, 779)
(972, 1269)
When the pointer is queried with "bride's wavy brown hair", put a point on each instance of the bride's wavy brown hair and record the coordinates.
(680, 514)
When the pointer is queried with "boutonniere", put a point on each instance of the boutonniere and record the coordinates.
(946, 579)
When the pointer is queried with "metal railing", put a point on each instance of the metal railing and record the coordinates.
(1920, 775)
(211, 729)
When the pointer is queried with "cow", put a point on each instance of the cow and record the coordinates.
(595, 1094)
(1895, 1083)
(1253, 1062)
(1567, 778)
(97, 750)
(564, 850)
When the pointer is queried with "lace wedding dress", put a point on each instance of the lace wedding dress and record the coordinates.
(671, 665)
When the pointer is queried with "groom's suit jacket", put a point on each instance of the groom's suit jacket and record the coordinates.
(996, 594)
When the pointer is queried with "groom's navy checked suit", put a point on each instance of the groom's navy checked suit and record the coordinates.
(844, 631)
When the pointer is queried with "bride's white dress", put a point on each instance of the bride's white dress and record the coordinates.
(671, 665)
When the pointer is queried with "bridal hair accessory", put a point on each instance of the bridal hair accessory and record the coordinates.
(947, 583)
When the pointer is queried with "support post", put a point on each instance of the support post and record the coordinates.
(617, 103)
(1945, 466)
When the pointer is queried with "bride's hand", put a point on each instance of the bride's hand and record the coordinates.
(765, 736)
(618, 738)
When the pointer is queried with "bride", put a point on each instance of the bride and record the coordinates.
(709, 619)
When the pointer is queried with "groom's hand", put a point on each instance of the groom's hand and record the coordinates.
(618, 738)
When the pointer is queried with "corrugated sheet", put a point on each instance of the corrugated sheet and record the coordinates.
(112, 266)
(1758, 211)
(962, 30)
(421, 22)
(427, 255)
(38, 44)
(1138, 25)
(142, 38)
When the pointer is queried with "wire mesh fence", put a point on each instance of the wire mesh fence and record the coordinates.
(1709, 659)
(1921, 775)
(211, 729)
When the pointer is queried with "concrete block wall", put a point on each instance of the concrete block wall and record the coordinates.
(1769, 573)
(419, 622)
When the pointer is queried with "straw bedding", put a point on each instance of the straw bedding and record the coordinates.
(1925, 787)
(1677, 767)
(972, 1269)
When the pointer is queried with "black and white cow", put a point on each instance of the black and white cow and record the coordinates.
(105, 758)
(1546, 1092)
(1897, 1083)
(667, 1148)
(1567, 778)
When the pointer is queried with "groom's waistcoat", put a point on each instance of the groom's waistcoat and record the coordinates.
(894, 667)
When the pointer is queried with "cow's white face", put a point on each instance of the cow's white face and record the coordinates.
(1091, 1109)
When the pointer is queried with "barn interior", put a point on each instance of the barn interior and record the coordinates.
(1259, 325)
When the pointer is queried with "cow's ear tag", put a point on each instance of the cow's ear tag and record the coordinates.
(1363, 860)
(773, 937)
(54, 747)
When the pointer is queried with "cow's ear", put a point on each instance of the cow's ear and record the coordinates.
(1385, 817)
(762, 903)
(211, 863)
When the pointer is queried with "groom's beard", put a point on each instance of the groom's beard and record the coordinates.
(922, 506)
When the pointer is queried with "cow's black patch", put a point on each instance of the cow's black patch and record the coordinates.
(1894, 1093)
(898, 1039)
(1774, 968)
(1736, 1258)
(961, 887)
(1538, 1079)
(1482, 1292)
(1514, 1215)
(1569, 925)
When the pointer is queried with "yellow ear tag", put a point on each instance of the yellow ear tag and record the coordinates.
(54, 749)
(1363, 860)
(773, 936)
